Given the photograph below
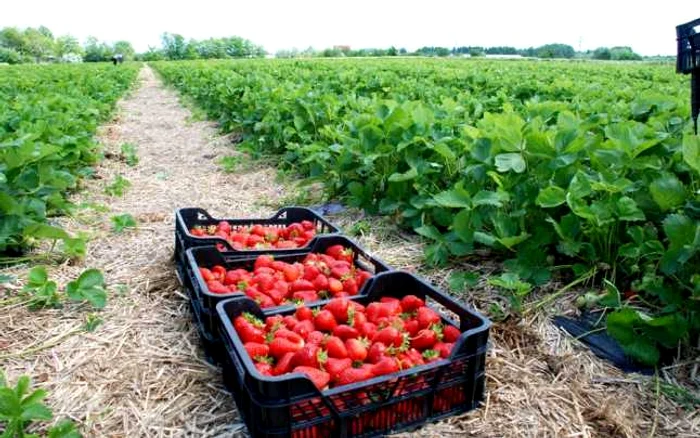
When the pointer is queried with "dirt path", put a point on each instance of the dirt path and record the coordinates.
(141, 373)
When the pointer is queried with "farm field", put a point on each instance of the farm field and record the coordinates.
(525, 189)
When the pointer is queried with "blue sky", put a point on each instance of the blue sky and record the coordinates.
(649, 27)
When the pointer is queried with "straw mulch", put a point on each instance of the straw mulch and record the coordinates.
(141, 373)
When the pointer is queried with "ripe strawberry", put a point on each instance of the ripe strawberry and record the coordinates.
(376, 352)
(389, 336)
(295, 230)
(285, 244)
(356, 318)
(353, 375)
(335, 251)
(304, 328)
(336, 348)
(290, 335)
(320, 282)
(350, 286)
(431, 356)
(425, 339)
(265, 282)
(278, 296)
(304, 313)
(410, 303)
(386, 365)
(325, 321)
(427, 317)
(254, 240)
(450, 333)
(361, 277)
(219, 272)
(444, 348)
(367, 329)
(310, 272)
(301, 284)
(315, 337)
(264, 368)
(375, 311)
(291, 273)
(256, 349)
(308, 225)
(272, 323)
(283, 365)
(319, 378)
(411, 327)
(339, 308)
(357, 349)
(263, 261)
(344, 331)
(280, 346)
(415, 356)
(305, 295)
(216, 287)
(249, 328)
(309, 355)
(290, 321)
(336, 366)
(206, 275)
(334, 286)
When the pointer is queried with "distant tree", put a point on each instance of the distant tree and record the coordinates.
(12, 38)
(602, 53)
(68, 44)
(39, 44)
(125, 48)
(392, 51)
(624, 53)
(555, 51)
(174, 46)
(96, 51)
(402, 51)
(153, 54)
(10, 56)
(476, 51)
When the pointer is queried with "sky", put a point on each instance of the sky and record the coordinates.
(647, 26)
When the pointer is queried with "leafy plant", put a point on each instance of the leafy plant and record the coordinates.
(89, 287)
(48, 115)
(123, 221)
(44, 293)
(542, 172)
(230, 163)
(118, 187)
(129, 154)
(20, 407)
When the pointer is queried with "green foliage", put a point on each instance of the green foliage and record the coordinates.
(118, 187)
(584, 165)
(230, 163)
(88, 287)
(48, 116)
(20, 407)
(129, 154)
(123, 221)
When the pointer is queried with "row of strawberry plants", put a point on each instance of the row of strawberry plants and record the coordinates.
(48, 116)
(595, 164)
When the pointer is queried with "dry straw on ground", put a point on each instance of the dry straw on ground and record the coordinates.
(141, 373)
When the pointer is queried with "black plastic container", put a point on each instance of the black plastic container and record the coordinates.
(291, 406)
(188, 218)
(209, 256)
(688, 62)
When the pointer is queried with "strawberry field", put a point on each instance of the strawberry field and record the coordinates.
(48, 116)
(586, 172)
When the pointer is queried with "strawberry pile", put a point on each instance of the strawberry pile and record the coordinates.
(344, 342)
(274, 282)
(295, 235)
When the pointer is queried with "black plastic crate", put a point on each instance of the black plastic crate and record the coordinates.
(291, 406)
(187, 218)
(688, 62)
(209, 256)
(211, 345)
(688, 36)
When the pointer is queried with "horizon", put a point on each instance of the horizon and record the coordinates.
(365, 24)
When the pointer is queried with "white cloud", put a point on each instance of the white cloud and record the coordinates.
(649, 27)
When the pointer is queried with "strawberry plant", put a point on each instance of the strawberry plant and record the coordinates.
(48, 115)
(584, 169)
(20, 407)
(88, 287)
(122, 222)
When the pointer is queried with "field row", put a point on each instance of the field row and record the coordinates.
(578, 167)
(48, 116)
